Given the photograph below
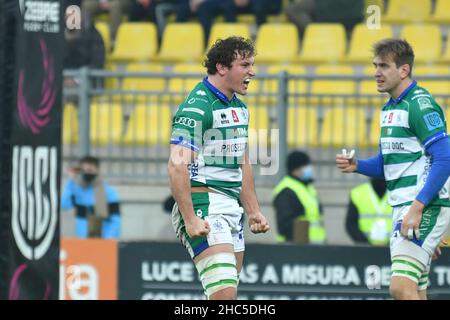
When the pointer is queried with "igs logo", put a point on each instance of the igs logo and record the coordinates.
(34, 199)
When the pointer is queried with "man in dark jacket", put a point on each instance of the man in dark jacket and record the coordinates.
(295, 198)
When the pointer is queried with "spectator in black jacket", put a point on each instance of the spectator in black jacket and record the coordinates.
(83, 48)
(296, 199)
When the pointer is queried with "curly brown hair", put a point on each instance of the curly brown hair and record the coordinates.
(225, 51)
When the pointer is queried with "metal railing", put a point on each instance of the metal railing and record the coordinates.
(126, 122)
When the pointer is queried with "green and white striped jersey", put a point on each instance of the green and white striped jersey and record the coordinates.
(408, 125)
(217, 129)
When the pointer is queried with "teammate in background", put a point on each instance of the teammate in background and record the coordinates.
(414, 159)
(209, 170)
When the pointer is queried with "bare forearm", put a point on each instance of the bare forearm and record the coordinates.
(180, 187)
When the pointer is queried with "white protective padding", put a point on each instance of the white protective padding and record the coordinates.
(217, 272)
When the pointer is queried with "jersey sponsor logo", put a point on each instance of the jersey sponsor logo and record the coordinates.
(185, 121)
(193, 100)
(218, 225)
(244, 114)
(235, 116)
(194, 169)
(417, 96)
(387, 131)
(395, 118)
(240, 132)
(233, 147)
(200, 93)
(433, 121)
(223, 117)
(196, 110)
(392, 145)
(391, 115)
(418, 91)
(424, 103)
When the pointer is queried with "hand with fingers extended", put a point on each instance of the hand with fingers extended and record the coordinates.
(197, 227)
(346, 162)
(258, 223)
(437, 251)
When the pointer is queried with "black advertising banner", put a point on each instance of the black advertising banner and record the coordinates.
(32, 247)
(271, 272)
(7, 31)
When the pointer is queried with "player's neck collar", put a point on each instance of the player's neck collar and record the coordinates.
(403, 94)
(219, 94)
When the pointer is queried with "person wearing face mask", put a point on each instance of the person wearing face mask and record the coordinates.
(296, 199)
(369, 216)
(96, 203)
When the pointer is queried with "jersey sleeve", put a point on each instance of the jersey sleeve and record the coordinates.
(427, 120)
(189, 124)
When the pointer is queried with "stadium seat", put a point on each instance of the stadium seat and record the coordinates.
(70, 126)
(426, 41)
(224, 30)
(435, 87)
(277, 43)
(259, 120)
(249, 19)
(135, 42)
(106, 123)
(441, 12)
(294, 86)
(144, 84)
(374, 136)
(149, 125)
(325, 88)
(430, 70)
(182, 42)
(302, 124)
(344, 127)
(293, 70)
(179, 87)
(103, 29)
(446, 57)
(407, 11)
(111, 82)
(277, 18)
(362, 41)
(264, 91)
(323, 42)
